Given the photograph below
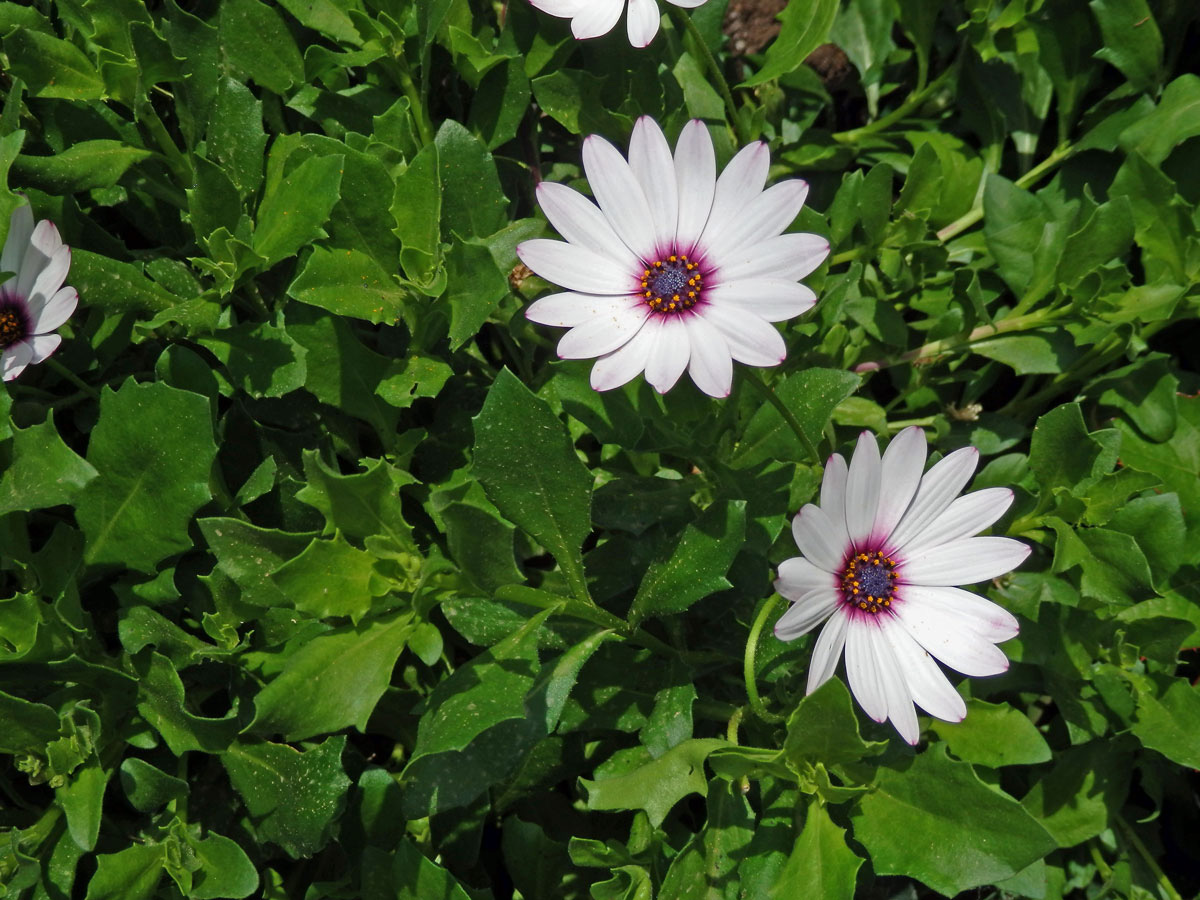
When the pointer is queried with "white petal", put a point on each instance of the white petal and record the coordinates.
(895, 686)
(14, 359)
(595, 18)
(696, 177)
(833, 496)
(576, 268)
(42, 345)
(670, 353)
(806, 613)
(786, 257)
(927, 683)
(962, 649)
(623, 364)
(20, 229)
(985, 618)
(650, 159)
(603, 334)
(51, 278)
(862, 669)
(762, 217)
(688, 4)
(774, 301)
(900, 476)
(642, 22)
(56, 311)
(582, 223)
(862, 489)
(620, 196)
(562, 8)
(827, 650)
(710, 365)
(966, 516)
(798, 576)
(43, 244)
(751, 340)
(940, 485)
(568, 309)
(741, 181)
(819, 539)
(965, 561)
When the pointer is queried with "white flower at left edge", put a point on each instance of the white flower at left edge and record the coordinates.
(882, 555)
(33, 301)
(593, 18)
(673, 268)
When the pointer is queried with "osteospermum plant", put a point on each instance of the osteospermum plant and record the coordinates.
(748, 452)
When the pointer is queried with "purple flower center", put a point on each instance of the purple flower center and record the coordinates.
(869, 581)
(14, 321)
(671, 285)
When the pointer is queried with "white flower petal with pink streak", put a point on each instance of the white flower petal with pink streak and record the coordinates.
(881, 555)
(685, 268)
(33, 301)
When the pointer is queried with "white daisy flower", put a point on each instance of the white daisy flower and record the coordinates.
(675, 268)
(33, 302)
(592, 18)
(881, 555)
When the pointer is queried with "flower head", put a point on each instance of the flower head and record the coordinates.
(675, 268)
(593, 18)
(881, 555)
(33, 302)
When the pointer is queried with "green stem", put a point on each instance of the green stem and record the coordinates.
(731, 110)
(948, 345)
(179, 164)
(763, 388)
(915, 99)
(73, 378)
(961, 224)
(1160, 876)
(756, 704)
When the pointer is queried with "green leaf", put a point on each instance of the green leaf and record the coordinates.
(1015, 226)
(236, 139)
(257, 44)
(417, 211)
(656, 785)
(1145, 393)
(1175, 461)
(1033, 353)
(292, 212)
(1087, 785)
(51, 67)
(334, 681)
(361, 505)
(225, 873)
(262, 359)
(415, 877)
(148, 788)
(1173, 121)
(44, 471)
(248, 555)
(117, 287)
(994, 735)
(294, 797)
(805, 26)
(820, 866)
(696, 566)
(349, 283)
(473, 203)
(161, 701)
(1132, 41)
(475, 286)
(28, 727)
(136, 511)
(824, 729)
(132, 874)
(971, 834)
(525, 461)
(1063, 453)
(330, 578)
(811, 395)
(85, 166)
(1170, 723)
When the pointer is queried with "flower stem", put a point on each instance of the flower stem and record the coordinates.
(731, 110)
(1164, 883)
(961, 224)
(765, 389)
(946, 345)
(73, 378)
(915, 99)
(756, 704)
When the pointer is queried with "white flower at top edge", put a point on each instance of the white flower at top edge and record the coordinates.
(882, 553)
(33, 302)
(675, 268)
(593, 18)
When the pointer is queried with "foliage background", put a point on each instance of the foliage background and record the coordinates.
(322, 577)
